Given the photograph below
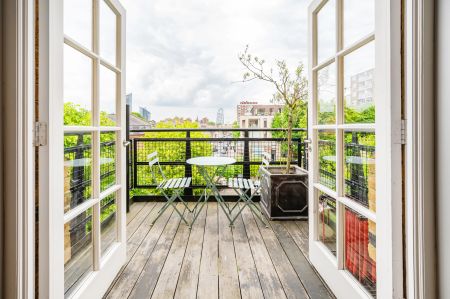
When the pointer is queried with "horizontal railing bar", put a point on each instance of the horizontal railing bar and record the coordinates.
(181, 163)
(217, 130)
(182, 139)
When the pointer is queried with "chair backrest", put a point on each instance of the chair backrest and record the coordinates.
(155, 167)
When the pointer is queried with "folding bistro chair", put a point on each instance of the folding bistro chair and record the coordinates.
(170, 188)
(244, 187)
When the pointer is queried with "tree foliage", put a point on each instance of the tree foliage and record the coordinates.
(291, 89)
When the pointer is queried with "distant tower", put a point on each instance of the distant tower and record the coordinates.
(220, 118)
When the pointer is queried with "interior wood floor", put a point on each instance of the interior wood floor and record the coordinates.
(212, 260)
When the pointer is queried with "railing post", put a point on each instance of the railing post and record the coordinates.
(299, 151)
(246, 167)
(188, 167)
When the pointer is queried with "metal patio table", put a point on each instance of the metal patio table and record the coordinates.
(220, 164)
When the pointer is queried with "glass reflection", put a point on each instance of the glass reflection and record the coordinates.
(108, 218)
(108, 31)
(359, 168)
(326, 28)
(108, 92)
(77, 169)
(359, 102)
(360, 249)
(359, 20)
(77, 88)
(327, 159)
(327, 222)
(78, 21)
(107, 160)
(78, 255)
(326, 95)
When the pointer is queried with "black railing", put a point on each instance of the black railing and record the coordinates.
(78, 184)
(359, 168)
(176, 146)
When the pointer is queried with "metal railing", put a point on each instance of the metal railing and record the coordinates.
(176, 146)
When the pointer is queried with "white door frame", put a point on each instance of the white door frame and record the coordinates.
(388, 166)
(18, 151)
(420, 186)
(51, 176)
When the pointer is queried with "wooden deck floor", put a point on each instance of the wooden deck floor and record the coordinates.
(212, 260)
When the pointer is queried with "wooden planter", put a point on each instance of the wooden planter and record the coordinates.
(284, 196)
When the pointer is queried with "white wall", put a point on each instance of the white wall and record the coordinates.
(443, 145)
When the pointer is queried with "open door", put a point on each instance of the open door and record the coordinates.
(82, 185)
(355, 129)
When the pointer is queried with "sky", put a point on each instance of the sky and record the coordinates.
(182, 55)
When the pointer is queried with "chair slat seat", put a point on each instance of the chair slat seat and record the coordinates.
(240, 183)
(175, 183)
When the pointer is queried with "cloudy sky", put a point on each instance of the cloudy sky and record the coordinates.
(182, 55)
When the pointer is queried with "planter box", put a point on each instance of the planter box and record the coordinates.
(284, 196)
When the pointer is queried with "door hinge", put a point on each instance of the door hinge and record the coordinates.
(403, 131)
(40, 134)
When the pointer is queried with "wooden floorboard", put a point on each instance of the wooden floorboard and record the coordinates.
(268, 277)
(188, 278)
(150, 274)
(208, 280)
(212, 260)
(228, 274)
(248, 274)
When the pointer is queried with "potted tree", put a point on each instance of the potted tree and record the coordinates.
(284, 189)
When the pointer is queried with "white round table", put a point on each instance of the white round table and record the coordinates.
(211, 161)
(203, 163)
(86, 162)
(352, 159)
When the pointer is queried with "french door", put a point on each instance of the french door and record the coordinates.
(355, 129)
(82, 168)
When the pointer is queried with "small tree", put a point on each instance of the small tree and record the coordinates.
(290, 89)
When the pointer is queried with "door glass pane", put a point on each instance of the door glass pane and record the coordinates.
(77, 88)
(360, 249)
(359, 20)
(107, 160)
(326, 95)
(107, 97)
(78, 256)
(326, 29)
(78, 21)
(108, 30)
(77, 169)
(108, 217)
(327, 159)
(327, 222)
(359, 85)
(359, 168)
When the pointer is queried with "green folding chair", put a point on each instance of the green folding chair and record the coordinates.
(247, 189)
(171, 188)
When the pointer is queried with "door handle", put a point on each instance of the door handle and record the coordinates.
(126, 143)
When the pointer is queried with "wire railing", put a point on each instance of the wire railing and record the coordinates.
(176, 146)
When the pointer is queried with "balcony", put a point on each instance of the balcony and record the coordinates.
(168, 259)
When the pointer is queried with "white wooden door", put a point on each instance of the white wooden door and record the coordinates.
(82, 168)
(355, 128)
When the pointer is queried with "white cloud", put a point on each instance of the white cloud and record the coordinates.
(182, 55)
